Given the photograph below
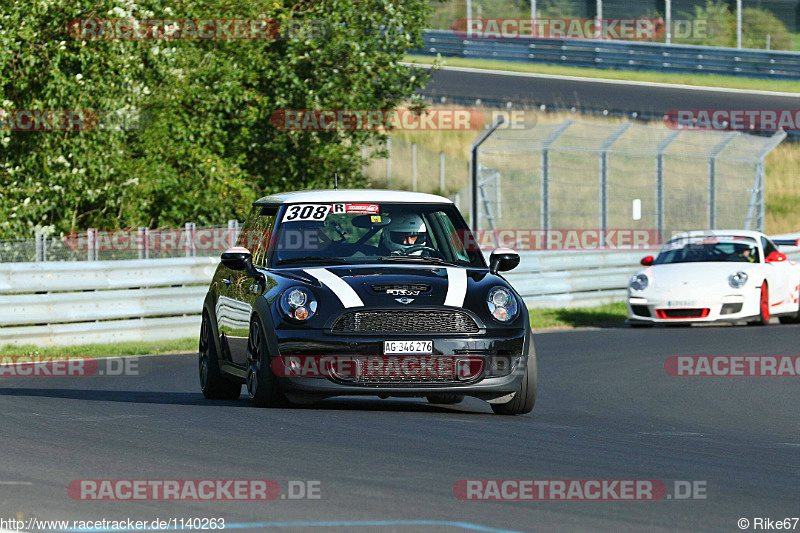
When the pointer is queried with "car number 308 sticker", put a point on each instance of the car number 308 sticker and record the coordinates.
(296, 213)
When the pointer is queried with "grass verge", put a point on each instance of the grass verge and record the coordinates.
(705, 80)
(609, 315)
(188, 344)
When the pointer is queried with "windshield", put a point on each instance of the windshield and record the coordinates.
(364, 233)
(717, 249)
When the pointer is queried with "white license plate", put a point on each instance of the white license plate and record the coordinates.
(406, 347)
(681, 303)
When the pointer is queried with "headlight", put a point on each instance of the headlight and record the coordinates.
(298, 303)
(737, 280)
(502, 304)
(638, 282)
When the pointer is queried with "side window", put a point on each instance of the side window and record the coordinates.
(262, 229)
(768, 246)
(456, 244)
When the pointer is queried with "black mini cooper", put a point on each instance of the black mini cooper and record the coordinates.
(365, 292)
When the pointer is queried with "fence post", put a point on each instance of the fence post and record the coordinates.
(665, 142)
(189, 232)
(91, 244)
(141, 241)
(441, 172)
(38, 245)
(712, 178)
(545, 172)
(413, 166)
(473, 170)
(607, 143)
(388, 162)
(232, 227)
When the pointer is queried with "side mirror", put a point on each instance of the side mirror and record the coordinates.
(236, 258)
(647, 261)
(775, 257)
(502, 260)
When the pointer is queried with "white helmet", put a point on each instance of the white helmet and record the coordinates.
(400, 228)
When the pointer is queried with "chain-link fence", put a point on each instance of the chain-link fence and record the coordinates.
(576, 175)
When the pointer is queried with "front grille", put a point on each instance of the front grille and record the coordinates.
(682, 313)
(390, 380)
(412, 321)
(418, 288)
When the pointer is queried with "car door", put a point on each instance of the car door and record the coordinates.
(778, 275)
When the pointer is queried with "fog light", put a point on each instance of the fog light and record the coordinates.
(301, 313)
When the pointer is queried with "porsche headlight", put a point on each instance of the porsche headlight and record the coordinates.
(502, 304)
(737, 280)
(298, 304)
(639, 282)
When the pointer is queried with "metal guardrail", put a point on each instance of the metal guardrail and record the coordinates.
(619, 55)
(61, 304)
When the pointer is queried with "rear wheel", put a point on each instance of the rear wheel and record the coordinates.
(763, 307)
(262, 387)
(445, 399)
(525, 397)
(213, 384)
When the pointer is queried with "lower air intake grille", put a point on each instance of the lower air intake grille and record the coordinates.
(682, 313)
(417, 321)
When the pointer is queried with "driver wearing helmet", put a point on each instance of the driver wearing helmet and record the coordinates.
(403, 232)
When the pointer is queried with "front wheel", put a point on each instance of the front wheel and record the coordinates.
(262, 387)
(763, 306)
(525, 397)
(213, 384)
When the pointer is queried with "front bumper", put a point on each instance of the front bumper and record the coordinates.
(671, 309)
(506, 344)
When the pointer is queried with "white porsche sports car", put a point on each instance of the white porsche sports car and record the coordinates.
(720, 275)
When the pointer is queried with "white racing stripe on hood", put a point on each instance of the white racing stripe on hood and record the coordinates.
(340, 288)
(456, 287)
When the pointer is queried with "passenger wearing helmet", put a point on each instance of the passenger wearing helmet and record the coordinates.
(403, 232)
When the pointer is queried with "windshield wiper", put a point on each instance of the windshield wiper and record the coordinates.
(416, 258)
(312, 259)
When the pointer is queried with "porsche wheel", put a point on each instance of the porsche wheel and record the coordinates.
(213, 384)
(763, 306)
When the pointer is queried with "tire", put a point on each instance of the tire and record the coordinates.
(214, 385)
(525, 397)
(445, 399)
(763, 313)
(262, 386)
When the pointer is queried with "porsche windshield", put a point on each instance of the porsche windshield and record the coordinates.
(719, 249)
(362, 233)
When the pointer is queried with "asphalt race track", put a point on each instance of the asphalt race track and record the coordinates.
(648, 100)
(606, 410)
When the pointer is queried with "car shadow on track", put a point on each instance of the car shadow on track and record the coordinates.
(468, 407)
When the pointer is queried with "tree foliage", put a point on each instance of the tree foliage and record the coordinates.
(200, 146)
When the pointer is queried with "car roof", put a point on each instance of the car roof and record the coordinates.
(715, 232)
(325, 196)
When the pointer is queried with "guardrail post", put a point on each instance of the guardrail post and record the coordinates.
(38, 246)
(712, 178)
(665, 142)
(140, 242)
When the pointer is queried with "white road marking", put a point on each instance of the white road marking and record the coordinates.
(611, 81)
(340, 288)
(456, 287)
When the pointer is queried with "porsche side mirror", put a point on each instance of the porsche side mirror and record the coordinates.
(236, 258)
(775, 257)
(502, 260)
(647, 261)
